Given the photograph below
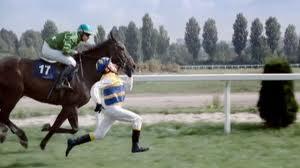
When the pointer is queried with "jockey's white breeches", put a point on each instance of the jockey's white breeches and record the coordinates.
(52, 55)
(108, 116)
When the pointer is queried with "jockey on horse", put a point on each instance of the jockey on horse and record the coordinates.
(24, 77)
(60, 48)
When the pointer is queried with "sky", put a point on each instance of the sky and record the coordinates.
(21, 15)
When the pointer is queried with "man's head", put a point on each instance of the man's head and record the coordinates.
(112, 67)
(84, 30)
(104, 65)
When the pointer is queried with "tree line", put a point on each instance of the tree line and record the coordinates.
(149, 43)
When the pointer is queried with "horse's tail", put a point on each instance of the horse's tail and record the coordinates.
(11, 75)
(11, 84)
(9, 70)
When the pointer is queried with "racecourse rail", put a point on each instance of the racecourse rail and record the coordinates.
(244, 66)
(227, 78)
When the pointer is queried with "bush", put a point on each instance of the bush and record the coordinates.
(170, 68)
(142, 67)
(154, 65)
(277, 105)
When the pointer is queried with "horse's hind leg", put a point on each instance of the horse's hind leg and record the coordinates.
(3, 127)
(3, 132)
(6, 108)
(20, 133)
(14, 129)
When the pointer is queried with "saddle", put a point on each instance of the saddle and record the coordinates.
(49, 70)
(59, 73)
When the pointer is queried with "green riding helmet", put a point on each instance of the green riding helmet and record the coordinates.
(85, 28)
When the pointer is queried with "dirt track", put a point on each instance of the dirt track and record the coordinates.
(168, 100)
(165, 101)
(89, 120)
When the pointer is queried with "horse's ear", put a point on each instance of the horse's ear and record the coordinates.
(111, 35)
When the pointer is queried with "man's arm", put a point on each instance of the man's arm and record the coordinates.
(67, 47)
(96, 90)
(128, 83)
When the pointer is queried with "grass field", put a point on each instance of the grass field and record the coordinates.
(172, 145)
(191, 87)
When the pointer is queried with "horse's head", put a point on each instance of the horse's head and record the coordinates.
(114, 49)
(120, 56)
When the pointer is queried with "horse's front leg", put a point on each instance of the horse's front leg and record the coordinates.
(73, 120)
(62, 116)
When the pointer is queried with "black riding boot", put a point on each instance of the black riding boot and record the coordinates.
(77, 141)
(135, 142)
(63, 78)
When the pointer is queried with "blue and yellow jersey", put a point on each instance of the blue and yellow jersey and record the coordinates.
(112, 90)
(114, 93)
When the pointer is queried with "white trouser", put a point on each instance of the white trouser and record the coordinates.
(52, 55)
(109, 115)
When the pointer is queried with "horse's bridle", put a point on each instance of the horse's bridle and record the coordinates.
(121, 59)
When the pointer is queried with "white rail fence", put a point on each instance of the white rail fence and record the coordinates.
(248, 66)
(227, 78)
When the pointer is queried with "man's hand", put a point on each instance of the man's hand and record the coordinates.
(73, 52)
(98, 108)
(76, 53)
(129, 83)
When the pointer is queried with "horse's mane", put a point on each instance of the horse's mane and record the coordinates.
(93, 48)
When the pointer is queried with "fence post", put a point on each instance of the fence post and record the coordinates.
(227, 124)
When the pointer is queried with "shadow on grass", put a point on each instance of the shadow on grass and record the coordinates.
(16, 152)
(24, 165)
(248, 127)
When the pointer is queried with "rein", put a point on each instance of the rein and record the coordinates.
(87, 55)
(80, 63)
(122, 61)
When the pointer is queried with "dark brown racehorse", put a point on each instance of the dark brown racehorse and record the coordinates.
(17, 80)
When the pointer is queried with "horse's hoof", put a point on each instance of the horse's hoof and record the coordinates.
(4, 128)
(3, 133)
(46, 127)
(42, 146)
(2, 137)
(24, 144)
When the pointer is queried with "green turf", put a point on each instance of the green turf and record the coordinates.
(172, 145)
(192, 87)
(198, 87)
